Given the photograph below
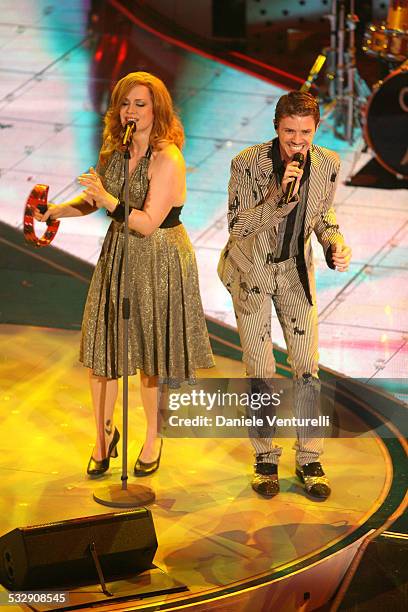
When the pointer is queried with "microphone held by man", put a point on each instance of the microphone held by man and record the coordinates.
(292, 176)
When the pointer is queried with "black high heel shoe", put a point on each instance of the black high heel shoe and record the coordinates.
(145, 469)
(97, 468)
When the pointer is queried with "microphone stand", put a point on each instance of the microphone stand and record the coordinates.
(115, 495)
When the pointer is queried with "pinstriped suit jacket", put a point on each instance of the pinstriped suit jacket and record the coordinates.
(255, 209)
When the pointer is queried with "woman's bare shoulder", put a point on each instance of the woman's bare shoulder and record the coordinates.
(169, 154)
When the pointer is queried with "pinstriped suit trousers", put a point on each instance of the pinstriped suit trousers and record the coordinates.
(299, 324)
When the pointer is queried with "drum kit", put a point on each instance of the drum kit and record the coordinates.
(389, 40)
(385, 120)
(382, 111)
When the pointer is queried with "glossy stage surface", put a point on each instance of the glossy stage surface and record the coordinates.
(214, 532)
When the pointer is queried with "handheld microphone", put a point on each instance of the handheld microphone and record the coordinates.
(130, 129)
(298, 157)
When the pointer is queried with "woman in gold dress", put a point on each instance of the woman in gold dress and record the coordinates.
(168, 339)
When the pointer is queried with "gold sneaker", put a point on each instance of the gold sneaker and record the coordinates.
(313, 477)
(265, 480)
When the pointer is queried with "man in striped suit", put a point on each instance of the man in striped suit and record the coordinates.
(269, 257)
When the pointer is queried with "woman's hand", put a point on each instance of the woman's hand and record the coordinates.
(95, 193)
(53, 211)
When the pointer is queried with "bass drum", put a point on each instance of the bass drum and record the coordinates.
(385, 122)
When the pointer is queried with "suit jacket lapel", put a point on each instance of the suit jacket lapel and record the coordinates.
(264, 161)
(263, 171)
(314, 194)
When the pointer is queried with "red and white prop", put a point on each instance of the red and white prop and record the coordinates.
(38, 198)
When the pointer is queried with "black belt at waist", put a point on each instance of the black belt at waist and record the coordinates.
(173, 218)
(299, 259)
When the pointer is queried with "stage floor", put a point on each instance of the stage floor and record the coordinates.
(213, 530)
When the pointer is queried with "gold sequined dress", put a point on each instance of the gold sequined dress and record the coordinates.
(167, 330)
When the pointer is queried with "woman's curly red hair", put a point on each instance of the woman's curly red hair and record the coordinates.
(167, 126)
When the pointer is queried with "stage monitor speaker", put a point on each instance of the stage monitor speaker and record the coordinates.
(58, 554)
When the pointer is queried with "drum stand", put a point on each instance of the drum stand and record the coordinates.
(347, 90)
(360, 149)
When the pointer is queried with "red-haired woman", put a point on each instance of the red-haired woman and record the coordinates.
(168, 338)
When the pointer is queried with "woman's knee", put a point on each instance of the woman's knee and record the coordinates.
(101, 379)
(147, 380)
